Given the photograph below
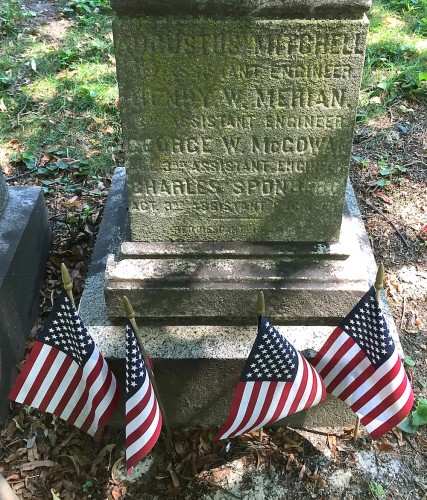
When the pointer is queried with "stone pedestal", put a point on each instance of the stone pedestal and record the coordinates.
(237, 120)
(197, 365)
(24, 243)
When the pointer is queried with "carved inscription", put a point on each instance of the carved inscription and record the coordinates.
(228, 129)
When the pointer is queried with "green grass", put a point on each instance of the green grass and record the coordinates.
(396, 56)
(59, 94)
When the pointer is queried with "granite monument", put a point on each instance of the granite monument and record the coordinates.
(237, 123)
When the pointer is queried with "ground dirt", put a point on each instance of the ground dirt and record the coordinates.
(42, 458)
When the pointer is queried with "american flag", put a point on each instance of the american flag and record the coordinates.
(143, 415)
(360, 365)
(65, 374)
(276, 381)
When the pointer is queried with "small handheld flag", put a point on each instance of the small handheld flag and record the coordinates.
(65, 374)
(143, 415)
(276, 381)
(360, 365)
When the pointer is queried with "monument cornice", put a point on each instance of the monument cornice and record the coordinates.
(302, 9)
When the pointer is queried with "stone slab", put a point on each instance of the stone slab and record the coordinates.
(196, 366)
(256, 8)
(241, 126)
(24, 243)
(4, 195)
(303, 284)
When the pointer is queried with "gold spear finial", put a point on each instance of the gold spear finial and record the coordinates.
(130, 313)
(260, 305)
(379, 281)
(68, 283)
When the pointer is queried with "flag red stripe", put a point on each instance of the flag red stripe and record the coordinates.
(327, 345)
(74, 383)
(386, 403)
(357, 382)
(38, 381)
(300, 391)
(65, 365)
(314, 385)
(139, 407)
(396, 418)
(376, 388)
(250, 407)
(23, 374)
(89, 380)
(237, 398)
(337, 357)
(143, 426)
(265, 407)
(141, 453)
(99, 396)
(281, 404)
(346, 370)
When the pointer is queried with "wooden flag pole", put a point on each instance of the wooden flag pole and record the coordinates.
(68, 283)
(260, 310)
(130, 314)
(379, 280)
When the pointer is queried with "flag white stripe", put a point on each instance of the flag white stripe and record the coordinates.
(308, 384)
(372, 380)
(319, 391)
(386, 391)
(391, 410)
(78, 391)
(331, 351)
(48, 379)
(148, 434)
(139, 395)
(273, 406)
(342, 364)
(292, 393)
(93, 391)
(142, 416)
(259, 406)
(242, 408)
(356, 372)
(63, 386)
(33, 373)
(103, 405)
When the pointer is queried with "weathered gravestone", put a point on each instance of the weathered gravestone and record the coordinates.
(24, 243)
(237, 123)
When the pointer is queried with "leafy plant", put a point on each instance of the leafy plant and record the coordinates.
(376, 489)
(416, 419)
(388, 174)
(87, 485)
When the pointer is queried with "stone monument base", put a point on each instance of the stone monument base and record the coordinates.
(24, 243)
(197, 365)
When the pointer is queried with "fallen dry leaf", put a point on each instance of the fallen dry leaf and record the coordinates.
(385, 445)
(422, 441)
(399, 434)
(37, 463)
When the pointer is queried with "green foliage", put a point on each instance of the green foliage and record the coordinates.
(396, 55)
(409, 361)
(11, 16)
(416, 419)
(376, 489)
(87, 485)
(388, 174)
